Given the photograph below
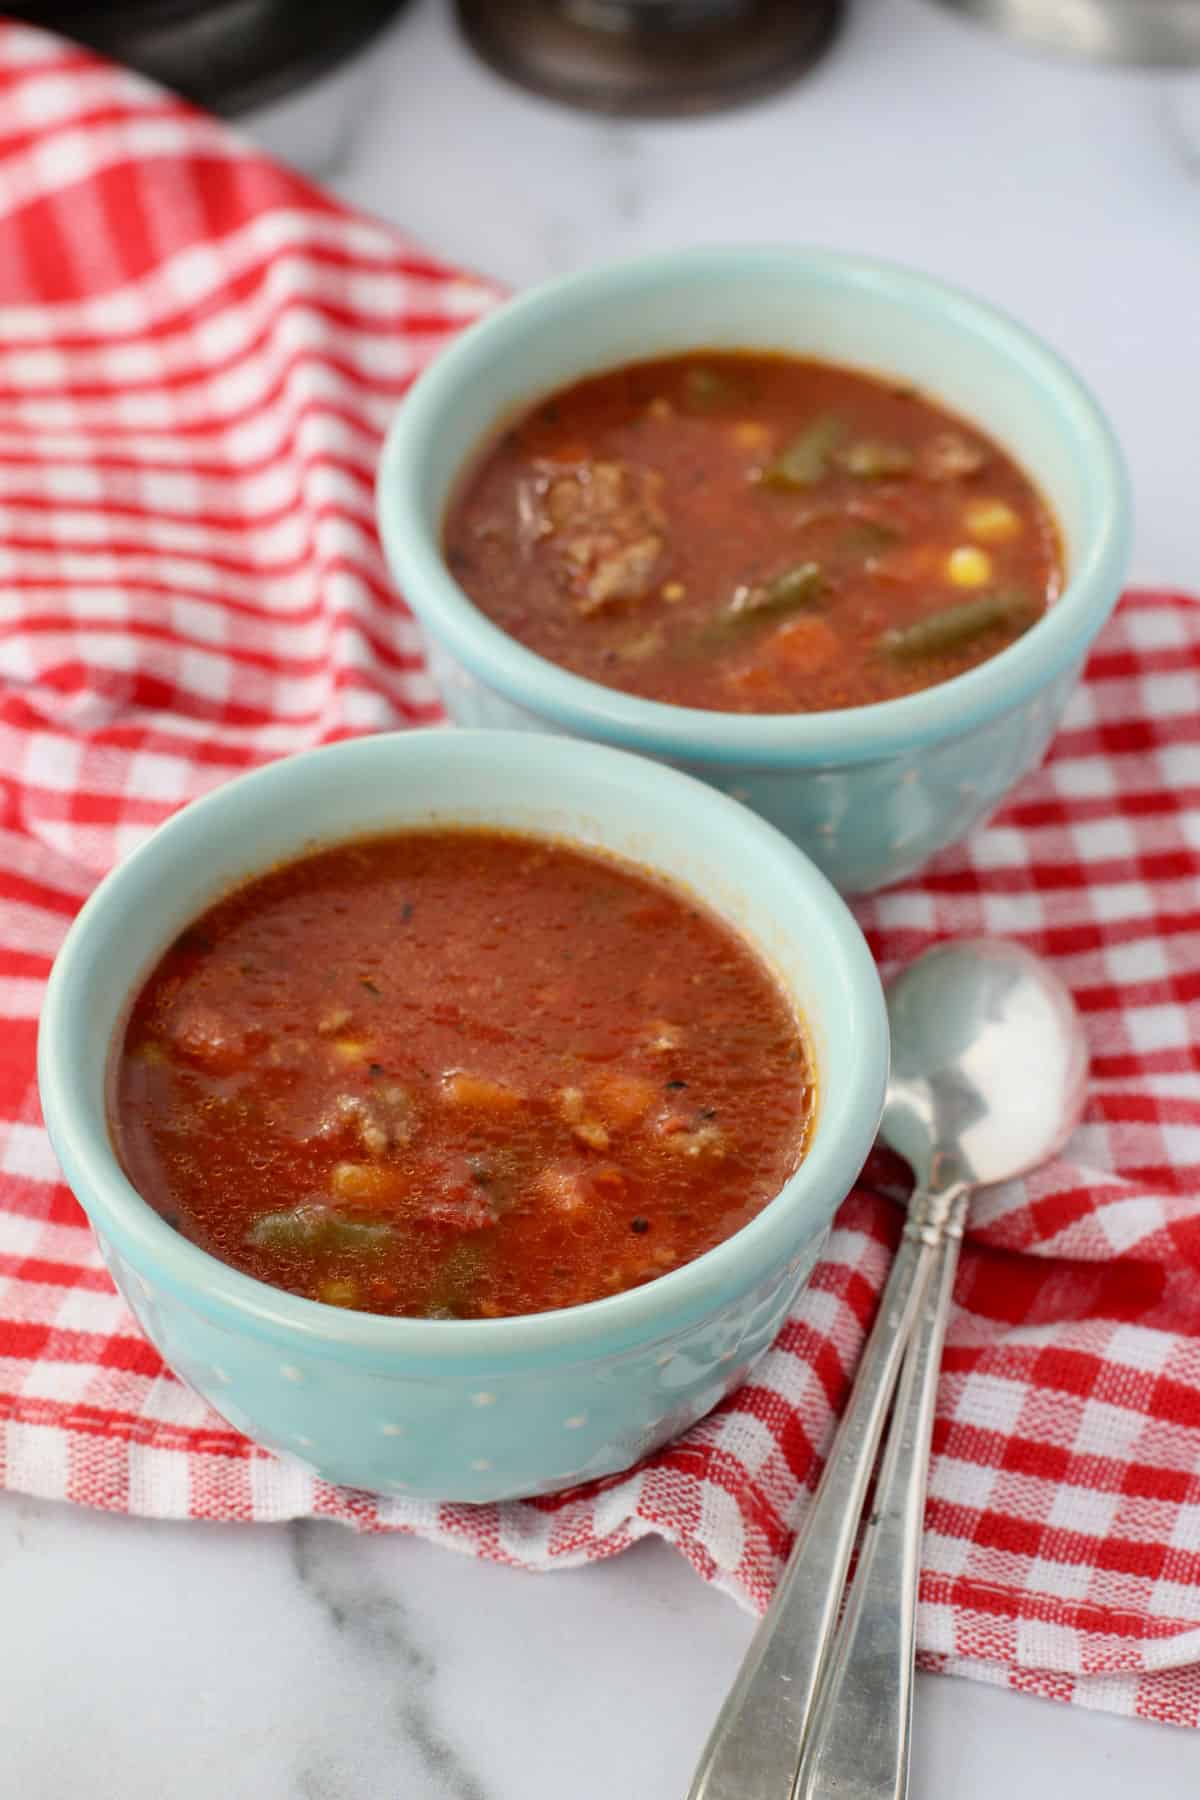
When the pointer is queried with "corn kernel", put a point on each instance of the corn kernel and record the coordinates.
(350, 1050)
(660, 408)
(992, 521)
(968, 567)
(748, 434)
(673, 591)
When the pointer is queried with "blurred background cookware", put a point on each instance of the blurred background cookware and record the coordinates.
(226, 55)
(650, 58)
(1162, 32)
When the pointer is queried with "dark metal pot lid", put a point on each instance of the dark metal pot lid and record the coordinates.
(226, 55)
(650, 58)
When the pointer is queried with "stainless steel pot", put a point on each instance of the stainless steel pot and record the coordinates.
(1164, 33)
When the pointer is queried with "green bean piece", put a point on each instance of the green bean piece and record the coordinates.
(316, 1228)
(873, 461)
(797, 587)
(867, 536)
(796, 590)
(958, 625)
(708, 390)
(808, 458)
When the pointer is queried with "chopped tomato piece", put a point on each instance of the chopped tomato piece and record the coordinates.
(202, 1036)
(803, 645)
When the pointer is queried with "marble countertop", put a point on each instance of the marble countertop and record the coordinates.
(177, 1662)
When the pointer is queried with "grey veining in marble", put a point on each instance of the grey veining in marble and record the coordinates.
(376, 1628)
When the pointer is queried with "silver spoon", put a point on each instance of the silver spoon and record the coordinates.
(989, 1075)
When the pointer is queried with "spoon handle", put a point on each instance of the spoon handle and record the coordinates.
(857, 1747)
(754, 1748)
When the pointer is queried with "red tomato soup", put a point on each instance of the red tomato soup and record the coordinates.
(753, 533)
(456, 1073)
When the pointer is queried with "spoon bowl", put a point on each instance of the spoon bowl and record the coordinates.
(989, 1063)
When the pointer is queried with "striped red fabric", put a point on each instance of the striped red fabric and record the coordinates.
(198, 353)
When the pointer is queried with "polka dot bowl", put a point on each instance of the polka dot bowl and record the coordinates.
(869, 792)
(466, 1409)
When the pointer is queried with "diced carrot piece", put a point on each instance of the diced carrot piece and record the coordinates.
(621, 1098)
(479, 1093)
(750, 434)
(369, 1184)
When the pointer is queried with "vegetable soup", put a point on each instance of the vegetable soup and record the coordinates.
(459, 1073)
(752, 533)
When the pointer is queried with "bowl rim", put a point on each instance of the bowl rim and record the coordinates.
(853, 734)
(92, 1170)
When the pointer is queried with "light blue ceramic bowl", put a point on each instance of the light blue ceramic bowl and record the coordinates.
(870, 793)
(470, 1409)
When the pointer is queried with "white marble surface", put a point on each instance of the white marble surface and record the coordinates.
(189, 1662)
(168, 1662)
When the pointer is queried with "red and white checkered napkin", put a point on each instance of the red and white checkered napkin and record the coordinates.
(198, 353)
